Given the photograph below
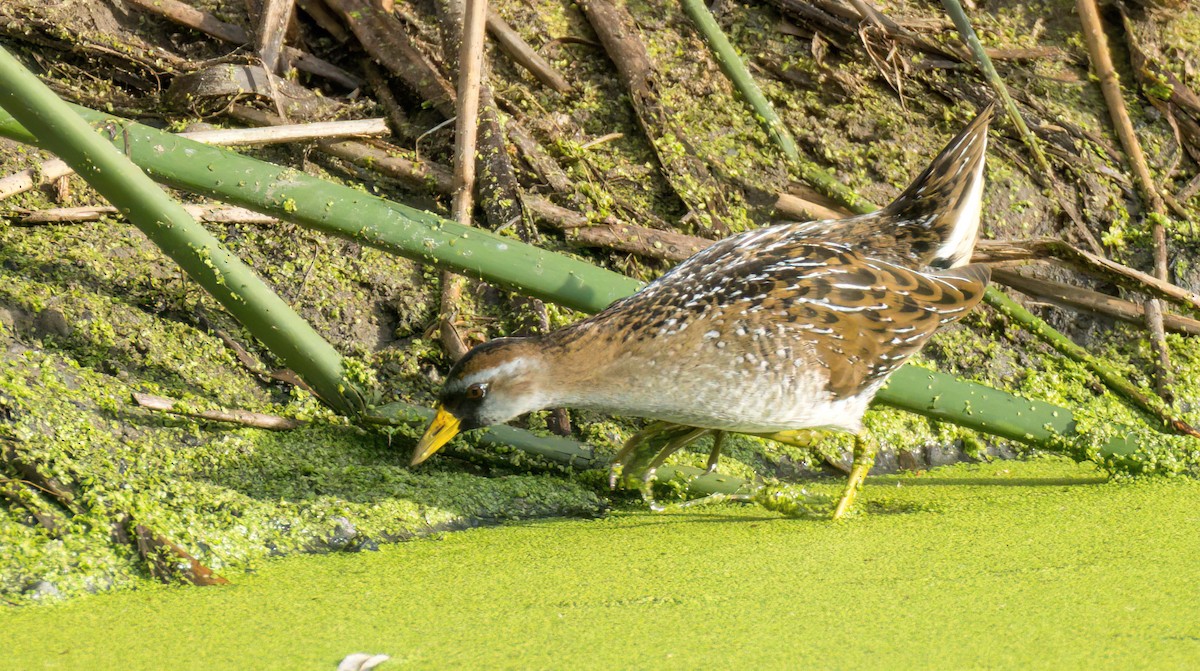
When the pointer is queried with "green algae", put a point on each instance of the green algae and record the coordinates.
(91, 313)
(232, 497)
(1018, 565)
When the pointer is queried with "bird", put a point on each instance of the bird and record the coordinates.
(785, 328)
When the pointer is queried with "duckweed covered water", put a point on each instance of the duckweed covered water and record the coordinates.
(1024, 565)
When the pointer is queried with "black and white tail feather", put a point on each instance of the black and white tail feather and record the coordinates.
(946, 199)
(934, 223)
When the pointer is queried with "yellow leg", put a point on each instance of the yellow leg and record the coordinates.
(628, 452)
(864, 458)
(674, 445)
(714, 455)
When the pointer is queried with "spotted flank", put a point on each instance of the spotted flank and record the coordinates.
(794, 312)
(794, 326)
(781, 327)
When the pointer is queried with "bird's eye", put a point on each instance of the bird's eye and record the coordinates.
(476, 391)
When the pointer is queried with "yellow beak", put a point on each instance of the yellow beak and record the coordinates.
(443, 427)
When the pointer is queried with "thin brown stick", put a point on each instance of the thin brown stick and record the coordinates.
(65, 494)
(1077, 298)
(519, 50)
(499, 189)
(470, 77)
(539, 159)
(256, 420)
(191, 17)
(169, 562)
(319, 13)
(988, 251)
(1190, 189)
(22, 494)
(383, 158)
(54, 169)
(794, 206)
(228, 32)
(213, 214)
(1110, 85)
(402, 126)
(613, 234)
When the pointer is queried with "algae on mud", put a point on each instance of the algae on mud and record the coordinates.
(1019, 565)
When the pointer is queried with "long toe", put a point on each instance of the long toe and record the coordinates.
(646, 487)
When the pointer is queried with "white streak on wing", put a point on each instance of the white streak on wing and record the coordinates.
(840, 308)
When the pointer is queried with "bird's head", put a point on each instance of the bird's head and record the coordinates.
(492, 384)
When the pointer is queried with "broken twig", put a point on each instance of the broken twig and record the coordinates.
(524, 55)
(256, 420)
(1110, 85)
(466, 130)
(1077, 298)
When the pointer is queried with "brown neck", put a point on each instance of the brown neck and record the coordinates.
(577, 358)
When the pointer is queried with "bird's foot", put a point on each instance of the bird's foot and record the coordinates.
(864, 459)
(614, 474)
(646, 489)
(714, 455)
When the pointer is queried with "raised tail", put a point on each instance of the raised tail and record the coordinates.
(943, 203)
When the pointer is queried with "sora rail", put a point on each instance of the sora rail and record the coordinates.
(789, 327)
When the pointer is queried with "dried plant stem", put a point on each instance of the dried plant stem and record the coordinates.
(401, 125)
(994, 251)
(320, 14)
(466, 131)
(215, 214)
(272, 28)
(791, 205)
(613, 234)
(380, 157)
(524, 55)
(256, 420)
(1110, 85)
(1076, 298)
(55, 169)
